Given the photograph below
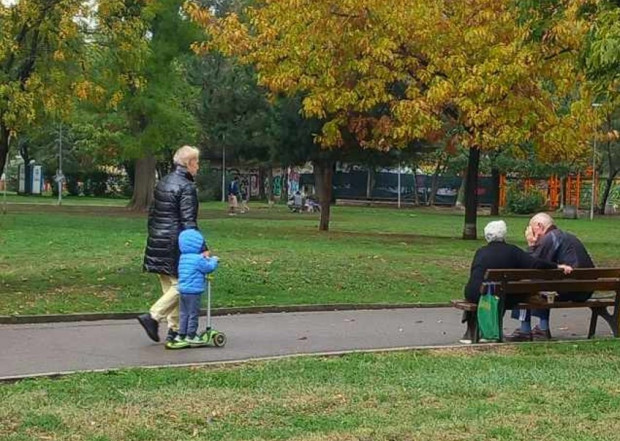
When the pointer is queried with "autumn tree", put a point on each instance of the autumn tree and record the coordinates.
(602, 62)
(392, 72)
(151, 103)
(44, 61)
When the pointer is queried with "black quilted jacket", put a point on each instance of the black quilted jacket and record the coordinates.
(174, 209)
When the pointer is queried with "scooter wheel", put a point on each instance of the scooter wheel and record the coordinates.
(219, 339)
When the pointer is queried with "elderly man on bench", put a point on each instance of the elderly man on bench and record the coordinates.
(548, 242)
(498, 254)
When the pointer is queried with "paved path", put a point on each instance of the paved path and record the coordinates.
(66, 347)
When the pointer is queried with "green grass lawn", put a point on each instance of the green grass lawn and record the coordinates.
(561, 392)
(13, 198)
(88, 259)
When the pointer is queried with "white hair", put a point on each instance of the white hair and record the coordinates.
(496, 231)
(542, 218)
(185, 154)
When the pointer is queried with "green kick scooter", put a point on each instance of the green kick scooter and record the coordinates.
(211, 337)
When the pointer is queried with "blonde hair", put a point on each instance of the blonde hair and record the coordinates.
(185, 154)
(542, 218)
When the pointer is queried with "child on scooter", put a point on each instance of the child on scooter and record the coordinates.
(194, 264)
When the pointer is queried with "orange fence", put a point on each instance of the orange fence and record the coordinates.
(553, 188)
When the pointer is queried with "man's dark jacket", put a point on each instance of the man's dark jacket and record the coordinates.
(562, 247)
(499, 255)
(174, 209)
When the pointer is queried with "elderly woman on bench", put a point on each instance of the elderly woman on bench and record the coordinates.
(498, 254)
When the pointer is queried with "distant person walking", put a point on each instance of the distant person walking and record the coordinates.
(245, 195)
(233, 196)
(174, 209)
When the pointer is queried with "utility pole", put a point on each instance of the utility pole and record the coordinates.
(223, 171)
(6, 175)
(399, 184)
(593, 171)
(59, 176)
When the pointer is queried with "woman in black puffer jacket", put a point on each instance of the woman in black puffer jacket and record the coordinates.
(174, 209)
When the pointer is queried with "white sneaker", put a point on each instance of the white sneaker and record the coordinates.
(195, 341)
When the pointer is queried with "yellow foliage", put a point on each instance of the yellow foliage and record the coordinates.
(43, 55)
(393, 71)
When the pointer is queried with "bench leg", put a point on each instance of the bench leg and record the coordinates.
(611, 319)
(596, 312)
(471, 320)
(615, 325)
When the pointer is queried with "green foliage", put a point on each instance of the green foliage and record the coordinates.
(603, 51)
(233, 111)
(96, 183)
(524, 202)
(209, 183)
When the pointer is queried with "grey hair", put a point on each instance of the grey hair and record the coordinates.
(542, 218)
(496, 231)
(185, 154)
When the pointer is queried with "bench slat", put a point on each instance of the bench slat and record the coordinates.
(566, 305)
(498, 275)
(592, 303)
(528, 286)
(464, 305)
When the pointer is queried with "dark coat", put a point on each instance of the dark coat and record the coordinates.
(174, 209)
(499, 255)
(562, 247)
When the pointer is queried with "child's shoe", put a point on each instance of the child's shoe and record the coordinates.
(171, 336)
(195, 341)
(178, 342)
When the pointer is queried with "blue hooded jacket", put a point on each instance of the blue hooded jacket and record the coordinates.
(193, 265)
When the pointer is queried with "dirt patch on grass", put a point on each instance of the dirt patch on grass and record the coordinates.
(474, 351)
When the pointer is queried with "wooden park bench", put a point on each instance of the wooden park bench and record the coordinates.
(527, 284)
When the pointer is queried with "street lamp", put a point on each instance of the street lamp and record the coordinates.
(60, 177)
(399, 164)
(6, 174)
(593, 170)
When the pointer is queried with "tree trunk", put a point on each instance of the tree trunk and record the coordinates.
(25, 155)
(270, 185)
(612, 172)
(609, 182)
(370, 182)
(471, 194)
(416, 196)
(4, 146)
(323, 177)
(495, 181)
(144, 183)
(284, 193)
(261, 183)
(434, 185)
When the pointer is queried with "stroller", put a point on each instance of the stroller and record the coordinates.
(296, 203)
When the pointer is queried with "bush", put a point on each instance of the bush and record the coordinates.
(95, 183)
(520, 202)
(209, 183)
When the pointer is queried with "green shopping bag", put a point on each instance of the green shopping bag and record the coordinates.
(488, 313)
